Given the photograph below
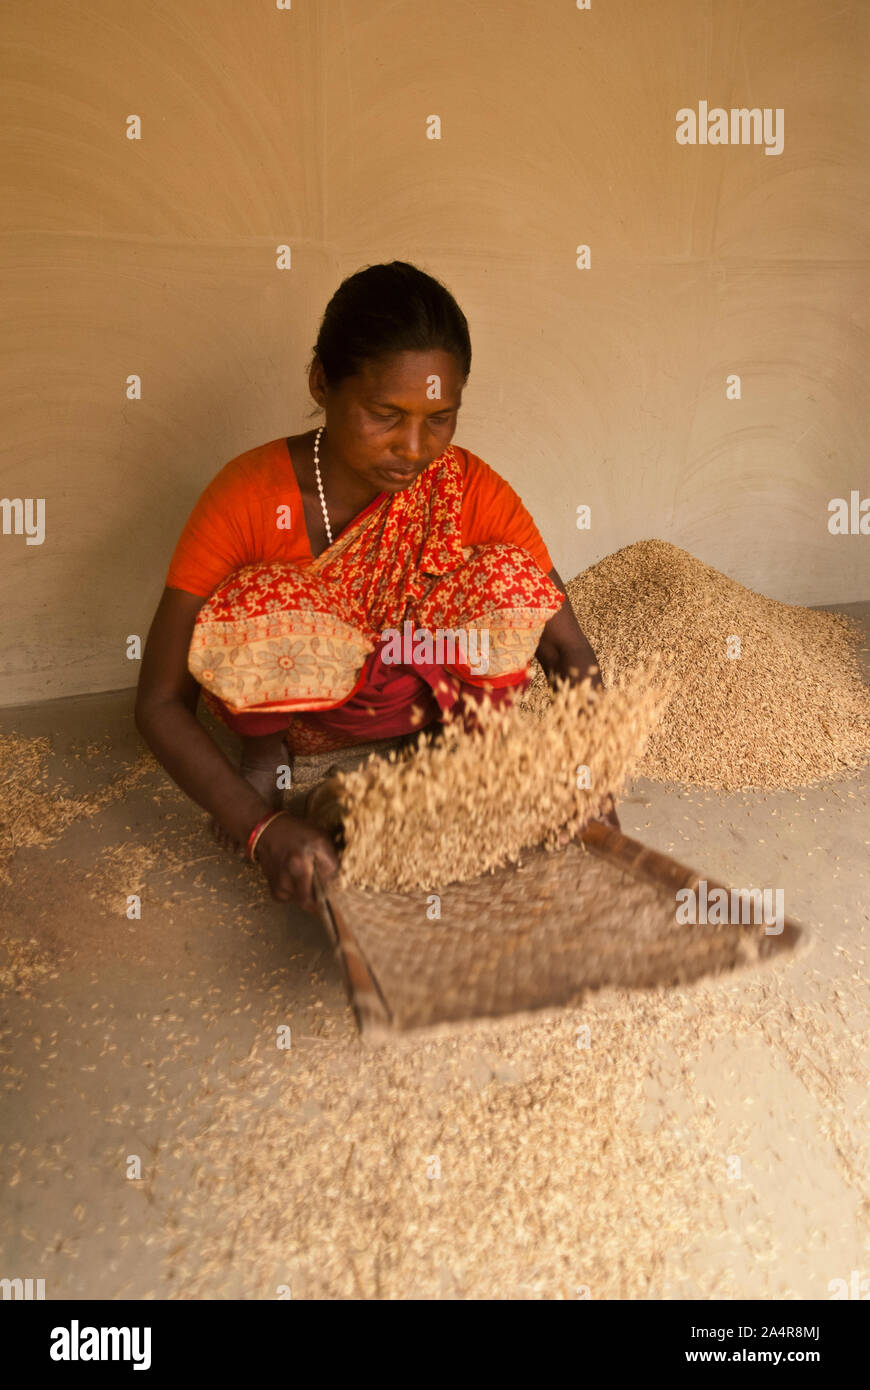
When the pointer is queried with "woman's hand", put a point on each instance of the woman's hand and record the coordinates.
(611, 818)
(563, 650)
(287, 851)
(166, 717)
(607, 818)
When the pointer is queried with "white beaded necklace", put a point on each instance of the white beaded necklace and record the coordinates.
(320, 483)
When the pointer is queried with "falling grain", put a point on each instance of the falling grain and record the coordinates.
(465, 803)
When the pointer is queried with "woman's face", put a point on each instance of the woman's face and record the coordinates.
(392, 419)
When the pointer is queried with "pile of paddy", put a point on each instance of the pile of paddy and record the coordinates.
(766, 694)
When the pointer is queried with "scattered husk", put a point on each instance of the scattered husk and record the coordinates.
(22, 964)
(30, 815)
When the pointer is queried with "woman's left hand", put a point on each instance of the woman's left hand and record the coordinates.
(607, 818)
(611, 818)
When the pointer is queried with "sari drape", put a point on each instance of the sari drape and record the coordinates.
(308, 648)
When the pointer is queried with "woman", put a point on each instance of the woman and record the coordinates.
(306, 557)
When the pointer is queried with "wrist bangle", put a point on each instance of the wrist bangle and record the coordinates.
(254, 837)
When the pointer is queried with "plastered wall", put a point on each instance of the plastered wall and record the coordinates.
(604, 383)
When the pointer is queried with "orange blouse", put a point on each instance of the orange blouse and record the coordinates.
(240, 518)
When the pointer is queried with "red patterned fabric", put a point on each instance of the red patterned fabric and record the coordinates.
(276, 641)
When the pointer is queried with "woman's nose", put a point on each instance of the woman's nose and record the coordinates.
(411, 448)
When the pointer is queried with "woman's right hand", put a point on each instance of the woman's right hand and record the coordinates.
(166, 703)
(287, 851)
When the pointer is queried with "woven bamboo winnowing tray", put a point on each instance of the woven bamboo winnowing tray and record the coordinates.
(600, 912)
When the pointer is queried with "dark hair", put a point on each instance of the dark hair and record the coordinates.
(386, 309)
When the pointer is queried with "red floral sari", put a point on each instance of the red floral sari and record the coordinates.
(310, 649)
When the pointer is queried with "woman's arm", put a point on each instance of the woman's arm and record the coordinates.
(563, 650)
(166, 703)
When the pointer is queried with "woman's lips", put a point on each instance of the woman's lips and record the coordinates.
(400, 474)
